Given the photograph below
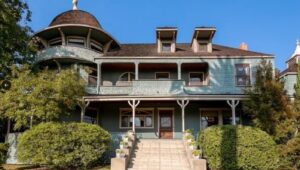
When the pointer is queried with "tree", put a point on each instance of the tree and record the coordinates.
(63, 145)
(269, 105)
(15, 46)
(40, 97)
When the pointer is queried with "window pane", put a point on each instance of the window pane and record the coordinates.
(55, 42)
(162, 76)
(165, 122)
(166, 47)
(78, 42)
(124, 121)
(96, 46)
(196, 78)
(243, 80)
(242, 69)
(148, 121)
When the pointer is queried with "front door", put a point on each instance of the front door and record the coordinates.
(166, 124)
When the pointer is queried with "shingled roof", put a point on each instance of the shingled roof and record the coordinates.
(182, 49)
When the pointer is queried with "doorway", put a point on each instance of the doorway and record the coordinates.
(166, 123)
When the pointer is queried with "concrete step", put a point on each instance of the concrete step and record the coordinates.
(159, 154)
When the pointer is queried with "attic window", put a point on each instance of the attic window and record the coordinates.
(76, 41)
(55, 42)
(96, 46)
(166, 46)
(203, 47)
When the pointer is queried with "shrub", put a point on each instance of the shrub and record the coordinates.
(3, 152)
(238, 147)
(63, 145)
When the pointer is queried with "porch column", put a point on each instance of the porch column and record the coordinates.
(136, 64)
(83, 108)
(133, 103)
(233, 103)
(98, 77)
(183, 104)
(179, 71)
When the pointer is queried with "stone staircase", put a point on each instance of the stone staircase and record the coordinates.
(159, 154)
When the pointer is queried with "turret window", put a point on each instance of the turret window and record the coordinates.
(96, 46)
(55, 42)
(76, 41)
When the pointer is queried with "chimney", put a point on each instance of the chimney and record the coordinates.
(244, 46)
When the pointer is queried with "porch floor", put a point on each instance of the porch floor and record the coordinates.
(159, 154)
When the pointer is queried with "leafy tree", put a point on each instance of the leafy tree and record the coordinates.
(269, 105)
(14, 35)
(40, 97)
(63, 145)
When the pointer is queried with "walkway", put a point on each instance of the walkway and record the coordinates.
(159, 154)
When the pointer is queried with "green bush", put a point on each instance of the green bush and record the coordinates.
(238, 148)
(3, 152)
(63, 145)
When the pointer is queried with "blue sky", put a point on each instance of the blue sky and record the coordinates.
(269, 26)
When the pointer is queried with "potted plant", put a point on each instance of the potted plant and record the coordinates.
(193, 145)
(189, 138)
(125, 138)
(120, 153)
(196, 154)
(123, 145)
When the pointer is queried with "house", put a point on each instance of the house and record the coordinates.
(165, 87)
(289, 75)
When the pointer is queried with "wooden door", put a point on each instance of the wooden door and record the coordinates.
(166, 124)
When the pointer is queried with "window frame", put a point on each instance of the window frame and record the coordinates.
(203, 82)
(55, 40)
(166, 42)
(128, 76)
(136, 115)
(100, 46)
(76, 37)
(169, 75)
(244, 76)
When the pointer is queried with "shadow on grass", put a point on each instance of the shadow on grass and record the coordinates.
(229, 149)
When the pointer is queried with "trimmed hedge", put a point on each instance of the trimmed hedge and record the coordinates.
(63, 145)
(3, 152)
(238, 148)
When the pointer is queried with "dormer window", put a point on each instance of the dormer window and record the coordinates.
(202, 39)
(166, 39)
(76, 41)
(55, 42)
(166, 46)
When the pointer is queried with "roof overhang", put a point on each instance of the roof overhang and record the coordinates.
(166, 33)
(204, 33)
(78, 30)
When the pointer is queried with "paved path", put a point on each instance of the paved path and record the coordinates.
(159, 154)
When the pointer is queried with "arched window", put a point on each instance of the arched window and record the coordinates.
(128, 76)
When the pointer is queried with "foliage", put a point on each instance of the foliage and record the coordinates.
(3, 152)
(291, 153)
(196, 152)
(63, 146)
(40, 97)
(238, 147)
(15, 46)
(269, 105)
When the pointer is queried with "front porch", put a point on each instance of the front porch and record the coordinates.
(162, 117)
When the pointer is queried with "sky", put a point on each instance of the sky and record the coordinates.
(268, 26)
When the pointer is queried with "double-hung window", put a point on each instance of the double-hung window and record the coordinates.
(242, 72)
(143, 118)
(76, 41)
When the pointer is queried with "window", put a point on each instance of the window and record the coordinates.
(166, 46)
(162, 76)
(128, 76)
(208, 118)
(143, 118)
(76, 41)
(55, 42)
(196, 79)
(96, 46)
(203, 47)
(242, 72)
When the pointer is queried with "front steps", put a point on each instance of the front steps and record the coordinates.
(159, 154)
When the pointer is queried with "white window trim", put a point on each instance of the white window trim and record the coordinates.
(173, 119)
(235, 75)
(77, 37)
(129, 109)
(204, 79)
(169, 75)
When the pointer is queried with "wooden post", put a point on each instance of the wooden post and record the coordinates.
(233, 103)
(133, 103)
(98, 77)
(183, 104)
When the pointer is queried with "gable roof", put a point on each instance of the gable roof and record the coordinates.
(182, 49)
